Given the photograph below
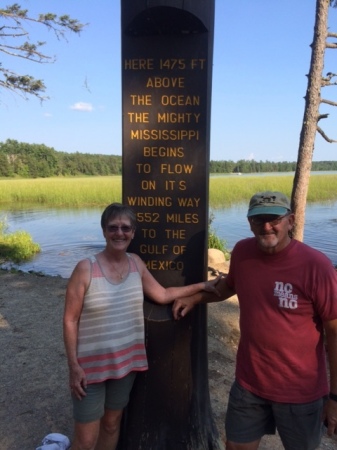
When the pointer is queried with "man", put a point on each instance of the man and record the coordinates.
(287, 293)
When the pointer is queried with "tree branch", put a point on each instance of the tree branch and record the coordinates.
(326, 81)
(29, 52)
(328, 102)
(56, 23)
(321, 132)
(15, 20)
(22, 91)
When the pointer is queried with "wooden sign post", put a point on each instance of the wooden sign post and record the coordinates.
(167, 50)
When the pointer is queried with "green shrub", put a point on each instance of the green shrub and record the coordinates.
(16, 247)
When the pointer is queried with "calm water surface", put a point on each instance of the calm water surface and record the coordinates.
(67, 236)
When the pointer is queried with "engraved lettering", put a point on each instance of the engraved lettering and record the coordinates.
(176, 168)
(177, 117)
(150, 201)
(175, 234)
(135, 117)
(164, 135)
(180, 100)
(164, 152)
(153, 249)
(172, 64)
(141, 100)
(188, 202)
(145, 217)
(182, 218)
(138, 64)
(148, 185)
(165, 82)
(198, 63)
(149, 233)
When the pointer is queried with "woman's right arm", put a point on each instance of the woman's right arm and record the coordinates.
(76, 289)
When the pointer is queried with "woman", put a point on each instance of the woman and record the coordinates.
(104, 329)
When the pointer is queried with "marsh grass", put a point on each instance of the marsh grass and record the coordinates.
(101, 191)
(75, 192)
(227, 191)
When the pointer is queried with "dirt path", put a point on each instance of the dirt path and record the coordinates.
(34, 398)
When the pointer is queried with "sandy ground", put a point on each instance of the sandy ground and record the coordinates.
(34, 398)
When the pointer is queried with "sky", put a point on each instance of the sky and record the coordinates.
(260, 61)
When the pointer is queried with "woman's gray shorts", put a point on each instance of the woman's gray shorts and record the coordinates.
(249, 417)
(110, 394)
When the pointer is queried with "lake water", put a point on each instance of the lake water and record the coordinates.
(67, 236)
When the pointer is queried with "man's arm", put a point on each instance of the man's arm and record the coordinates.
(183, 306)
(330, 412)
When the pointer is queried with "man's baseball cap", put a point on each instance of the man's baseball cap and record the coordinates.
(269, 203)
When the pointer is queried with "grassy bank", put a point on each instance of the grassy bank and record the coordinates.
(100, 191)
(75, 192)
(231, 190)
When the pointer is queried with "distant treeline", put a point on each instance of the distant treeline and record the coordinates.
(251, 166)
(39, 161)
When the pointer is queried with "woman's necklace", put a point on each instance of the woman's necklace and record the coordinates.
(120, 274)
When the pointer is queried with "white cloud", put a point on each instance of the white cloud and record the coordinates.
(47, 114)
(82, 106)
(250, 157)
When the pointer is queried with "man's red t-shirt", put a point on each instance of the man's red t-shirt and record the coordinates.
(284, 299)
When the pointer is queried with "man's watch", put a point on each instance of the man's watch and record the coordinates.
(333, 396)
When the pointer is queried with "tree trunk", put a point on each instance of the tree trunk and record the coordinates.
(311, 114)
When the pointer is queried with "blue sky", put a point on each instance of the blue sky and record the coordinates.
(261, 57)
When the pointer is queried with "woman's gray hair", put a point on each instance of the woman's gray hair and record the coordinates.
(117, 210)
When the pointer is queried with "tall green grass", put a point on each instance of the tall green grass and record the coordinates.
(100, 191)
(227, 191)
(75, 192)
